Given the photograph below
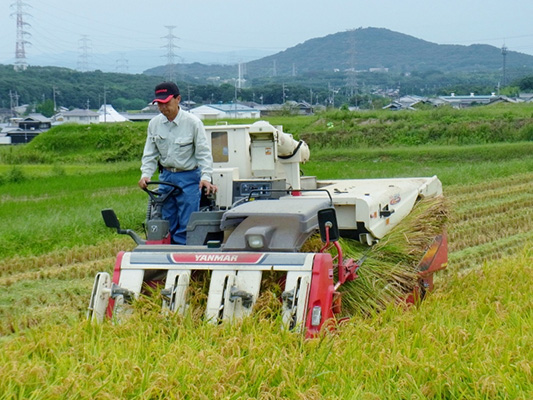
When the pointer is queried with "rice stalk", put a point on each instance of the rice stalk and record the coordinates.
(389, 272)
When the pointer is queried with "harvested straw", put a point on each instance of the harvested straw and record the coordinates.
(389, 271)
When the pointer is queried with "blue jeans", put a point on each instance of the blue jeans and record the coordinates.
(178, 209)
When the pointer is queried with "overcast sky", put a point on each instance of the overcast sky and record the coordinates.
(58, 26)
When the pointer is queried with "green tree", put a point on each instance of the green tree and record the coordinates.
(510, 91)
(526, 83)
(46, 108)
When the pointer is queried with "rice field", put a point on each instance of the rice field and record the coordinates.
(470, 339)
(490, 220)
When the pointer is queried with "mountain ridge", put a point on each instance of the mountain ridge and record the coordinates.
(365, 48)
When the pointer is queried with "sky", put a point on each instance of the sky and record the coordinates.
(104, 34)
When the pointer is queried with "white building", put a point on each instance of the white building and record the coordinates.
(108, 114)
(79, 116)
(225, 111)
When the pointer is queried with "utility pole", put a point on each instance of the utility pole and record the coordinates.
(105, 107)
(14, 100)
(283, 90)
(170, 46)
(332, 95)
(239, 73)
(54, 92)
(189, 90)
(20, 50)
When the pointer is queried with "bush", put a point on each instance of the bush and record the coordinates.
(16, 175)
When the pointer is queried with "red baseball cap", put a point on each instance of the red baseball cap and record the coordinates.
(165, 91)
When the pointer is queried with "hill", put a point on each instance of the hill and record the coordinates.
(367, 48)
(386, 62)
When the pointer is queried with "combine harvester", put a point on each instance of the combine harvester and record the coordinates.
(263, 213)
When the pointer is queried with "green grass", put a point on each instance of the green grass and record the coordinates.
(44, 211)
(45, 214)
(454, 165)
(332, 130)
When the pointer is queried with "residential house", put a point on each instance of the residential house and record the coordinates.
(79, 116)
(225, 111)
(468, 101)
(405, 103)
(24, 130)
(35, 121)
(141, 116)
(299, 107)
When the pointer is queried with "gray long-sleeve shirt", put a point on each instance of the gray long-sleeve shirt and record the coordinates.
(181, 143)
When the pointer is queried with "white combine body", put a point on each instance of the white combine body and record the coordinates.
(262, 158)
(263, 213)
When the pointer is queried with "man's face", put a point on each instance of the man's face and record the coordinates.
(170, 108)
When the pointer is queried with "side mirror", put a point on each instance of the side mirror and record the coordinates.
(327, 218)
(110, 219)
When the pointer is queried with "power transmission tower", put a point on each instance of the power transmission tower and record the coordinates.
(170, 46)
(352, 75)
(504, 65)
(122, 65)
(83, 59)
(20, 50)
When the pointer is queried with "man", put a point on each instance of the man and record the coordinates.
(178, 141)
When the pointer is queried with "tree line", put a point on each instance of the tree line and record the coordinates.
(47, 88)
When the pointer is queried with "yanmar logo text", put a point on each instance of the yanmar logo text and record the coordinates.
(219, 258)
(216, 258)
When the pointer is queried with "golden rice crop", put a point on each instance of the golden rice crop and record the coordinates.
(470, 340)
(470, 190)
(389, 272)
(64, 257)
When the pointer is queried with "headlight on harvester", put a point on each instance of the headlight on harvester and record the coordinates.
(258, 237)
(316, 316)
(255, 241)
